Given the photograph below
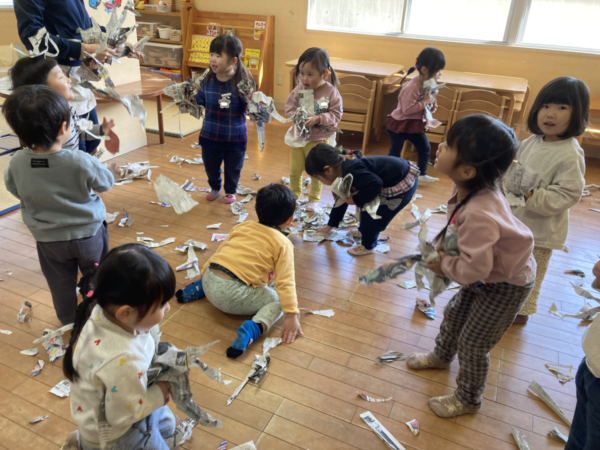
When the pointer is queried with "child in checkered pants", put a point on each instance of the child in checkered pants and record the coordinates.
(495, 267)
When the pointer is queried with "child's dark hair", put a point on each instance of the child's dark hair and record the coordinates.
(563, 91)
(324, 155)
(232, 47)
(319, 59)
(29, 71)
(275, 204)
(489, 146)
(431, 58)
(131, 275)
(36, 114)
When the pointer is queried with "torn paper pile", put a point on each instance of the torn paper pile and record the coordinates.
(381, 431)
(168, 191)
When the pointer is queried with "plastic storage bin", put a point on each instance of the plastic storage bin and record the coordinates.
(164, 55)
(148, 29)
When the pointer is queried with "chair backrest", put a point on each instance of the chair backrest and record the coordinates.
(444, 115)
(358, 80)
(358, 96)
(479, 102)
(481, 95)
(447, 98)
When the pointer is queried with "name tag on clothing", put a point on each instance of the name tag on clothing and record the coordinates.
(39, 163)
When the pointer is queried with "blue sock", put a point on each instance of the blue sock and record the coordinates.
(191, 292)
(249, 331)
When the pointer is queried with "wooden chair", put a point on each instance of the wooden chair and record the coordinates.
(519, 110)
(358, 97)
(481, 102)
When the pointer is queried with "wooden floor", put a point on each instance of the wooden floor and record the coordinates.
(308, 399)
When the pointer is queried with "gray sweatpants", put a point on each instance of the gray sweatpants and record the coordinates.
(234, 297)
(62, 260)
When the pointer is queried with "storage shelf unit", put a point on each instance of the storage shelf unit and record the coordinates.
(244, 25)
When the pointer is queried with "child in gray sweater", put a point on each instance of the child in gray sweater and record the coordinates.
(56, 189)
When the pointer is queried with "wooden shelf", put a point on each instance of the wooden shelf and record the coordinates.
(198, 65)
(165, 41)
(156, 13)
(156, 66)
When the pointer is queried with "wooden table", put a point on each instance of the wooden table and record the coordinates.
(382, 73)
(595, 106)
(151, 85)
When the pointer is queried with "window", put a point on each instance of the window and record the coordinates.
(6, 4)
(562, 24)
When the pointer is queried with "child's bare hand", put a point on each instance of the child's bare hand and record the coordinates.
(325, 230)
(164, 387)
(437, 265)
(107, 125)
(291, 328)
(314, 120)
(435, 106)
(428, 98)
(114, 169)
(528, 195)
(350, 201)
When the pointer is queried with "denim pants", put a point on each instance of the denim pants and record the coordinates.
(420, 142)
(370, 228)
(585, 429)
(91, 145)
(149, 433)
(215, 153)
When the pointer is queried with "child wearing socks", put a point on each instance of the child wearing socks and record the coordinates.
(235, 279)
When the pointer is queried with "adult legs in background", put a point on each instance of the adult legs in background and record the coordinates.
(60, 262)
(585, 433)
(542, 258)
(89, 146)
(212, 156)
(234, 161)
(370, 228)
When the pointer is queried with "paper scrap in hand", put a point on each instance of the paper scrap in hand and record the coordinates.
(414, 426)
(218, 237)
(381, 431)
(38, 368)
(62, 389)
(322, 312)
(373, 399)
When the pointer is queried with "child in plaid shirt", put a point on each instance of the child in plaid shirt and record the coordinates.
(224, 133)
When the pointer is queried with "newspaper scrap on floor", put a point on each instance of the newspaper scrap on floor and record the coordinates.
(595, 210)
(196, 161)
(383, 248)
(30, 352)
(313, 236)
(24, 311)
(520, 439)
(144, 239)
(381, 431)
(391, 356)
(5, 331)
(420, 219)
(38, 368)
(555, 434)
(259, 366)
(216, 237)
(390, 270)
(164, 204)
(246, 199)
(285, 180)
(39, 419)
(539, 392)
(62, 389)
(407, 284)
(576, 272)
(425, 307)
(587, 313)
(222, 445)
(584, 293)
(442, 209)
(52, 342)
(214, 225)
(135, 170)
(191, 243)
(373, 399)
(247, 446)
(157, 244)
(595, 186)
(164, 226)
(242, 190)
(413, 425)
(191, 265)
(111, 217)
(189, 186)
(562, 372)
(256, 176)
(127, 220)
(170, 192)
(322, 312)
(121, 183)
(183, 432)
(237, 208)
(51, 334)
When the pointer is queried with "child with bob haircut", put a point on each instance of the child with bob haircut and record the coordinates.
(311, 72)
(224, 133)
(58, 192)
(235, 279)
(495, 266)
(554, 162)
(111, 349)
(41, 70)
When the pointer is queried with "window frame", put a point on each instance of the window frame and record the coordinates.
(7, 4)
(513, 33)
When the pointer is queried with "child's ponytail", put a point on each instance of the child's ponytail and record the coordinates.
(354, 153)
(411, 70)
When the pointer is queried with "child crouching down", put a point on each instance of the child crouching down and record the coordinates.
(235, 280)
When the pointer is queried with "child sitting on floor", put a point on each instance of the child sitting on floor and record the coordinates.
(235, 279)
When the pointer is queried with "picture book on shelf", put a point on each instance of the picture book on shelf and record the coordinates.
(259, 35)
(201, 43)
(229, 30)
(212, 29)
(252, 58)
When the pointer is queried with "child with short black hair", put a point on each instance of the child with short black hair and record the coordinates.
(235, 279)
(41, 70)
(407, 121)
(550, 167)
(56, 189)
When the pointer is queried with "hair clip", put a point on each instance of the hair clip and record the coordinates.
(89, 294)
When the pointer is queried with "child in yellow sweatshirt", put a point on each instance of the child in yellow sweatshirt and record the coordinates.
(235, 279)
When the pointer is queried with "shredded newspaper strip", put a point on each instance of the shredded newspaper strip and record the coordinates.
(38, 368)
(413, 425)
(520, 439)
(191, 265)
(555, 434)
(191, 243)
(242, 217)
(189, 186)
(539, 392)
(127, 220)
(163, 204)
(30, 352)
(587, 313)
(5, 331)
(214, 225)
(184, 96)
(170, 192)
(576, 272)
(407, 284)
(157, 244)
(373, 399)
(381, 431)
(322, 312)
(562, 372)
(259, 367)
(246, 199)
(216, 237)
(390, 270)
(431, 87)
(39, 419)
(24, 311)
(518, 182)
(187, 159)
(62, 389)
(584, 293)
(390, 356)
(425, 307)
(52, 342)
(414, 209)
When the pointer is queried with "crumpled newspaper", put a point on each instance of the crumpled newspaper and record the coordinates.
(390, 356)
(420, 219)
(390, 270)
(285, 180)
(127, 220)
(170, 192)
(259, 366)
(425, 307)
(539, 392)
(189, 186)
(243, 190)
(431, 87)
(151, 244)
(38, 368)
(413, 425)
(237, 208)
(191, 265)
(52, 342)
(187, 159)
(518, 182)
(520, 439)
(313, 236)
(62, 389)
(24, 311)
(555, 434)
(560, 370)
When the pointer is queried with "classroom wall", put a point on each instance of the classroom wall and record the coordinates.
(8, 30)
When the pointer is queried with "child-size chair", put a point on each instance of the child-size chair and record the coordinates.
(358, 97)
